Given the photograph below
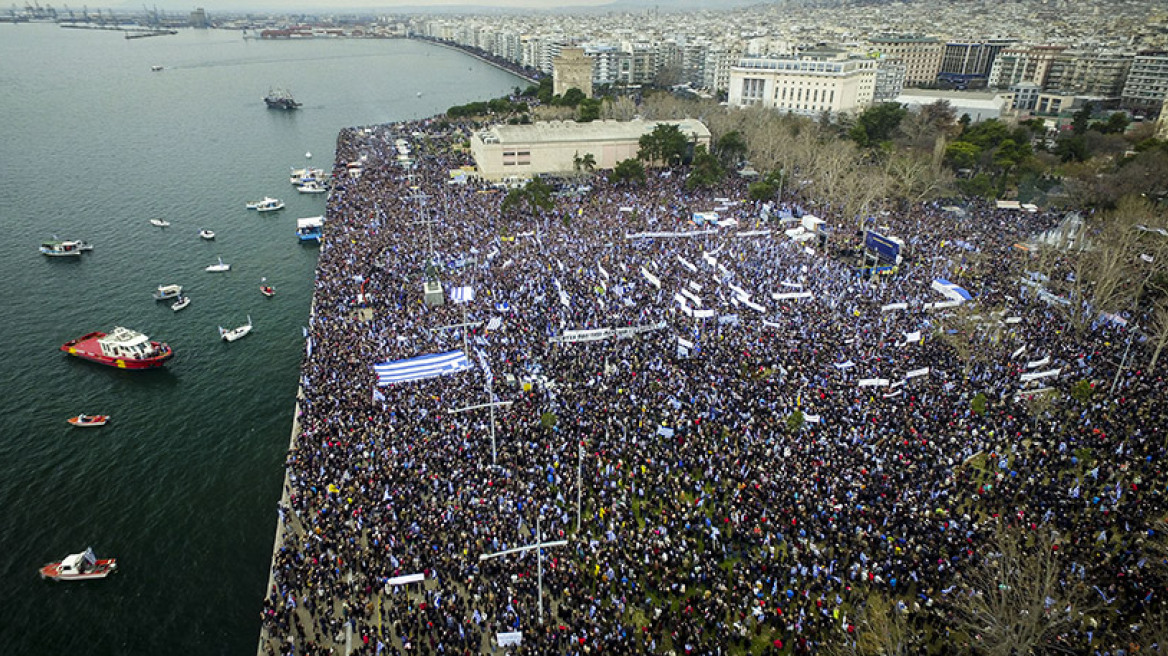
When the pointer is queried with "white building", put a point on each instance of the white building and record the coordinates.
(809, 85)
(511, 152)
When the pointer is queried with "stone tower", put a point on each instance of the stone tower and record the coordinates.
(572, 69)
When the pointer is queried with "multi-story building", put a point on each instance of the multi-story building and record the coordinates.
(1147, 82)
(638, 63)
(716, 72)
(889, 79)
(921, 55)
(1089, 72)
(1023, 64)
(605, 63)
(969, 64)
(572, 69)
(809, 84)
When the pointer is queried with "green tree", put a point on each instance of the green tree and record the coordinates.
(762, 190)
(1072, 148)
(1116, 124)
(589, 110)
(628, 171)
(876, 124)
(731, 148)
(1081, 120)
(666, 143)
(962, 154)
(572, 97)
(706, 170)
(979, 185)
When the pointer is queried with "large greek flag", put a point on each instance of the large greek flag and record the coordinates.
(420, 368)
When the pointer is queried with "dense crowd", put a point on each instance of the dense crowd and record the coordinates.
(750, 478)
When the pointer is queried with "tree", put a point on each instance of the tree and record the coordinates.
(762, 190)
(666, 143)
(876, 124)
(706, 171)
(731, 147)
(1116, 124)
(881, 628)
(1158, 331)
(1016, 599)
(1072, 149)
(572, 97)
(1081, 119)
(589, 110)
(962, 155)
(628, 171)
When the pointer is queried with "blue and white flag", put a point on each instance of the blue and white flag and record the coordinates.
(421, 368)
(462, 294)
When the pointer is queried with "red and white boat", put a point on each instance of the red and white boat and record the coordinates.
(123, 348)
(80, 567)
(88, 420)
(266, 289)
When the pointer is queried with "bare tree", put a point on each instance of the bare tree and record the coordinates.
(1158, 330)
(1016, 600)
(880, 629)
(621, 108)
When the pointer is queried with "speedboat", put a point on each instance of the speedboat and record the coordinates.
(215, 268)
(167, 292)
(266, 289)
(180, 303)
(161, 223)
(64, 248)
(312, 187)
(79, 567)
(235, 333)
(88, 420)
(300, 176)
(268, 204)
(123, 348)
(156, 68)
(207, 234)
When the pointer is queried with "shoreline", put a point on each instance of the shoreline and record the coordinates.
(281, 522)
(455, 46)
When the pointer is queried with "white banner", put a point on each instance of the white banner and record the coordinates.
(692, 296)
(1038, 363)
(787, 295)
(893, 395)
(685, 342)
(1020, 351)
(1040, 374)
(894, 306)
(653, 280)
(687, 264)
(703, 314)
(909, 338)
(754, 306)
(917, 372)
(873, 382)
(812, 419)
(408, 578)
(669, 235)
(509, 639)
(754, 233)
(844, 365)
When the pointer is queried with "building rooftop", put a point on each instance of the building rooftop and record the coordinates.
(553, 131)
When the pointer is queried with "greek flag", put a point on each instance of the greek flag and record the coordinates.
(421, 368)
(462, 294)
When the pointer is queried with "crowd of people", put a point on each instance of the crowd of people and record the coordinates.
(784, 437)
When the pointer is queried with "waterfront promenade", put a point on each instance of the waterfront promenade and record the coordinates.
(751, 444)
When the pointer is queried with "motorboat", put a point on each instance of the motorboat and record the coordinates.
(84, 421)
(180, 303)
(312, 187)
(156, 68)
(310, 228)
(300, 176)
(235, 333)
(80, 567)
(207, 234)
(266, 289)
(64, 248)
(215, 268)
(167, 292)
(161, 223)
(268, 204)
(123, 348)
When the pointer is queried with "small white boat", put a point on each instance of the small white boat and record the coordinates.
(166, 292)
(161, 223)
(156, 68)
(207, 234)
(312, 187)
(79, 567)
(300, 176)
(66, 248)
(215, 268)
(180, 303)
(235, 333)
(268, 204)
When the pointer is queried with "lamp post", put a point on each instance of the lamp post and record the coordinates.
(538, 546)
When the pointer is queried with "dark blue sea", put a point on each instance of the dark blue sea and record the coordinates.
(181, 486)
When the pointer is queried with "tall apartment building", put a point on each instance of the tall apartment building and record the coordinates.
(1147, 81)
(572, 69)
(889, 83)
(808, 85)
(605, 63)
(921, 55)
(716, 72)
(1089, 73)
(966, 64)
(638, 63)
(1023, 64)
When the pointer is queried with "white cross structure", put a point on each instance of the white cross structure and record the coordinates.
(491, 405)
(538, 546)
